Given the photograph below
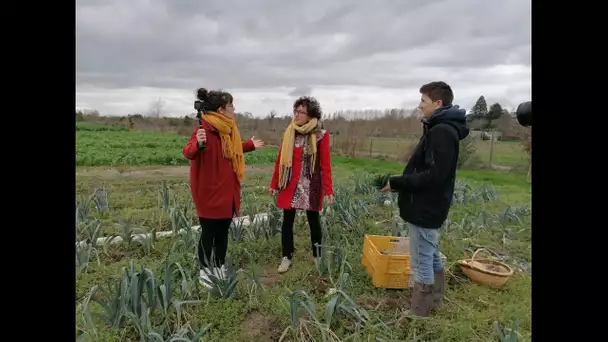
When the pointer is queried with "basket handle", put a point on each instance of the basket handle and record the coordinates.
(477, 251)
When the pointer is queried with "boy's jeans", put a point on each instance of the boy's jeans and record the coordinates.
(424, 254)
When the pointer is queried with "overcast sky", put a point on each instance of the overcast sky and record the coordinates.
(350, 54)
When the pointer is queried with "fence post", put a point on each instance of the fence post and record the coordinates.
(371, 144)
(491, 149)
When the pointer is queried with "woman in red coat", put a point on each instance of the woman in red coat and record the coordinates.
(217, 167)
(302, 175)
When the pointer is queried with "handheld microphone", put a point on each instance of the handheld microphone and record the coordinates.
(198, 105)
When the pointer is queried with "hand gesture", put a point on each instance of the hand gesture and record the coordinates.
(329, 199)
(273, 192)
(201, 136)
(257, 143)
(386, 188)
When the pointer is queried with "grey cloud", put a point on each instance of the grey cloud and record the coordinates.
(227, 44)
(301, 91)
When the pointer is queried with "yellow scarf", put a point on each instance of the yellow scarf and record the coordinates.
(310, 128)
(232, 146)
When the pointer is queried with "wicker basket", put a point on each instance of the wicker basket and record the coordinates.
(485, 271)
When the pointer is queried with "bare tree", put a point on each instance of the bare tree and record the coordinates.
(270, 117)
(157, 108)
(91, 112)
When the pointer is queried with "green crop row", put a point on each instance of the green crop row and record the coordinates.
(94, 127)
(112, 148)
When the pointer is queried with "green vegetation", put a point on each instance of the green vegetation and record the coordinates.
(115, 145)
(146, 289)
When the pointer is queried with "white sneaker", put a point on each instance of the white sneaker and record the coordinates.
(220, 272)
(285, 263)
(204, 278)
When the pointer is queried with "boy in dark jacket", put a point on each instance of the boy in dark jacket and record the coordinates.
(426, 188)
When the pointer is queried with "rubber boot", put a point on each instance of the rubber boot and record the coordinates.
(422, 299)
(438, 289)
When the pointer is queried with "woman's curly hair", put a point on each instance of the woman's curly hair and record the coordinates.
(312, 106)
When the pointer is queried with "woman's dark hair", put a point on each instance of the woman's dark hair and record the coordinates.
(214, 99)
(312, 106)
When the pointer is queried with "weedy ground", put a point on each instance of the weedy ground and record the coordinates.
(147, 289)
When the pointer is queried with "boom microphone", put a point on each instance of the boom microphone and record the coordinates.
(524, 114)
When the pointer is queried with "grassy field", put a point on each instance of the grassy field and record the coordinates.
(99, 145)
(504, 153)
(146, 290)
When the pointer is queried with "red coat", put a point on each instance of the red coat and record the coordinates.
(315, 186)
(213, 182)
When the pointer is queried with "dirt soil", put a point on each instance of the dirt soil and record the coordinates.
(270, 277)
(502, 167)
(397, 301)
(150, 172)
(116, 254)
(320, 285)
(262, 327)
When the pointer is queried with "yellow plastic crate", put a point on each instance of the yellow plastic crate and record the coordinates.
(390, 271)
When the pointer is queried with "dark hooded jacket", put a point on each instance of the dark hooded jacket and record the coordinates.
(427, 184)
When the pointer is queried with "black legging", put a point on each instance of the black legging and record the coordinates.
(214, 239)
(314, 223)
